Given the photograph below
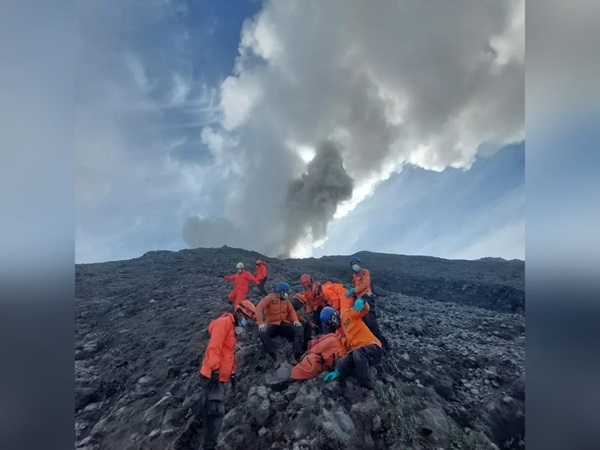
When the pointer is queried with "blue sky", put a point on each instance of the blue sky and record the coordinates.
(189, 112)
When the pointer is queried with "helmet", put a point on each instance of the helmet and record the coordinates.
(258, 262)
(239, 265)
(317, 289)
(326, 314)
(247, 308)
(281, 286)
(354, 260)
(305, 279)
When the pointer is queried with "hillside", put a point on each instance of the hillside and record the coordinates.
(454, 380)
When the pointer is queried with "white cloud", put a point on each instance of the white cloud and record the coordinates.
(391, 82)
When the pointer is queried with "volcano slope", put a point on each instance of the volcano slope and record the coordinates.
(454, 379)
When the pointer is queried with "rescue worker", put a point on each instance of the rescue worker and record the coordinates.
(315, 302)
(261, 276)
(359, 349)
(361, 281)
(281, 320)
(298, 302)
(240, 287)
(218, 368)
(322, 353)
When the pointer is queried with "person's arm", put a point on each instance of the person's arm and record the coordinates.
(292, 313)
(260, 309)
(229, 277)
(251, 277)
(358, 315)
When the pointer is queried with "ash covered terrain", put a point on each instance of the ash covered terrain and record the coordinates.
(455, 378)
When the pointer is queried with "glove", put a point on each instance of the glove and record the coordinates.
(359, 304)
(297, 324)
(233, 382)
(331, 376)
(349, 292)
(262, 327)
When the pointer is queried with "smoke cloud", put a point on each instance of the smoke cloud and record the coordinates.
(381, 84)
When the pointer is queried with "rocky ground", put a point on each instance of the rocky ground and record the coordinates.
(454, 380)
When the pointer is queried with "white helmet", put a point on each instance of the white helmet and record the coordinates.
(239, 265)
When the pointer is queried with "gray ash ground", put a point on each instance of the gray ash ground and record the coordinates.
(454, 380)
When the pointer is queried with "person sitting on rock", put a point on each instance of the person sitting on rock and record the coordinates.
(281, 320)
(240, 287)
(361, 280)
(314, 300)
(359, 348)
(261, 276)
(218, 368)
(298, 302)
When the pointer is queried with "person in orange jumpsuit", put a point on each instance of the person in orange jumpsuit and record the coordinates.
(281, 320)
(359, 348)
(261, 276)
(361, 280)
(217, 369)
(315, 302)
(240, 287)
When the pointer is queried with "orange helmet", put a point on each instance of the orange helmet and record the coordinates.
(305, 279)
(247, 308)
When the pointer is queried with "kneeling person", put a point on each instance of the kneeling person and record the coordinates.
(281, 320)
(359, 348)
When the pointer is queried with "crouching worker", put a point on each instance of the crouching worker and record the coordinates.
(359, 348)
(218, 368)
(281, 320)
(321, 355)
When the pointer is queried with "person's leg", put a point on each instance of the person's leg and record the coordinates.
(361, 368)
(373, 354)
(261, 287)
(316, 319)
(294, 334)
(232, 296)
(307, 335)
(345, 365)
(266, 338)
(213, 412)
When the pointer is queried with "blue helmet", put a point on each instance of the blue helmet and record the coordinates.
(326, 314)
(281, 286)
(354, 260)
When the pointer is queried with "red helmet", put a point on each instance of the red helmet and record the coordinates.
(305, 279)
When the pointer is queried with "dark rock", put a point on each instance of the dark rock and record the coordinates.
(434, 426)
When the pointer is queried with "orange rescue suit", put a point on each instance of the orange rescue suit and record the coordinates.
(219, 352)
(240, 288)
(353, 332)
(277, 309)
(361, 281)
(261, 271)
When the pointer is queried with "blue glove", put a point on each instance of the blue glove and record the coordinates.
(349, 292)
(359, 304)
(331, 376)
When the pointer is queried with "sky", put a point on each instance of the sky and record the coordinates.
(300, 128)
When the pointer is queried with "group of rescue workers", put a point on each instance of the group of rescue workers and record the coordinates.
(337, 332)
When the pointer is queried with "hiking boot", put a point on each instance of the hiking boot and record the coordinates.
(279, 359)
(293, 359)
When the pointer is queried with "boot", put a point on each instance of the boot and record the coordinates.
(279, 359)
(294, 358)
